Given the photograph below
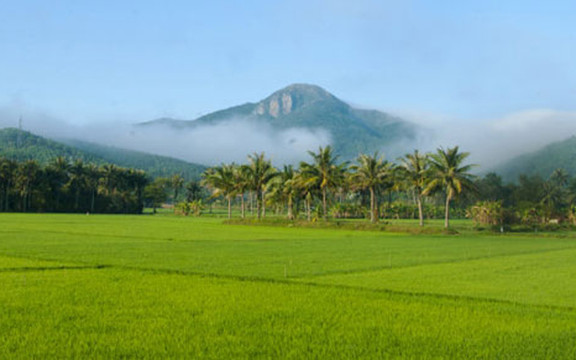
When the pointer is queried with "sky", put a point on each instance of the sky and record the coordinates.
(466, 62)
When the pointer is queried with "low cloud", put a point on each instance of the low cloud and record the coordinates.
(495, 141)
(490, 141)
(230, 141)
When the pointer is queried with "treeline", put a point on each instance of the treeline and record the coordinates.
(532, 201)
(64, 186)
(326, 188)
(418, 186)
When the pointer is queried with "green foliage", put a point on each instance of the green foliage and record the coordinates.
(188, 208)
(62, 186)
(487, 213)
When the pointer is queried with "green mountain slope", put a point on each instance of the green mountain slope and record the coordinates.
(22, 145)
(543, 162)
(309, 106)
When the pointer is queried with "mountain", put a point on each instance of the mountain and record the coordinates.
(543, 162)
(309, 106)
(22, 145)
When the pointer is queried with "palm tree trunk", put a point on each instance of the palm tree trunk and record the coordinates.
(324, 205)
(373, 215)
(290, 210)
(420, 211)
(308, 208)
(229, 206)
(447, 213)
(258, 204)
(263, 204)
(76, 199)
(92, 200)
(242, 205)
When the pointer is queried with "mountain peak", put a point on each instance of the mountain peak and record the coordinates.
(293, 97)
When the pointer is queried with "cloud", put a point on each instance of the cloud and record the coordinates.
(229, 141)
(495, 141)
(490, 141)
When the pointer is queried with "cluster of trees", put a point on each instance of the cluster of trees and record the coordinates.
(325, 184)
(533, 200)
(418, 185)
(64, 186)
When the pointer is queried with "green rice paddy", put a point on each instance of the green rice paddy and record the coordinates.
(148, 287)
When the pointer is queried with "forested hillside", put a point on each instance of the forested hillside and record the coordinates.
(21, 145)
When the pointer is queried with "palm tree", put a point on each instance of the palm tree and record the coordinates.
(58, 172)
(283, 189)
(306, 188)
(92, 178)
(324, 173)
(259, 172)
(27, 175)
(414, 169)
(176, 182)
(7, 176)
(371, 172)
(221, 180)
(449, 173)
(77, 180)
(193, 191)
(242, 183)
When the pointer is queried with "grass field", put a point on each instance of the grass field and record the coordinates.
(77, 286)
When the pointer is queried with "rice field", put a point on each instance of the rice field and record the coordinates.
(148, 287)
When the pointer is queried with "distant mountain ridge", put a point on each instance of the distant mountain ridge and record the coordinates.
(353, 130)
(23, 145)
(543, 162)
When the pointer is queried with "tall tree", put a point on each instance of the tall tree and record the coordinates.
(221, 180)
(259, 173)
(414, 170)
(27, 175)
(242, 184)
(77, 181)
(449, 173)
(7, 178)
(324, 172)
(371, 172)
(283, 189)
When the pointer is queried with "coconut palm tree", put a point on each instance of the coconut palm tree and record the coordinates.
(415, 172)
(222, 182)
(77, 180)
(371, 173)
(447, 172)
(27, 176)
(7, 176)
(242, 184)
(259, 172)
(92, 178)
(283, 189)
(324, 173)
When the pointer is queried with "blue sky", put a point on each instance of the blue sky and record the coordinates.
(138, 60)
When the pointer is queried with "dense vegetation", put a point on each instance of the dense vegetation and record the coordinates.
(102, 286)
(22, 146)
(62, 186)
(423, 186)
